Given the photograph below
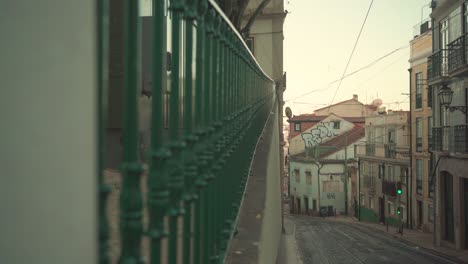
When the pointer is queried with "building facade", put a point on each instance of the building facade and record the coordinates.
(384, 169)
(447, 73)
(421, 130)
(321, 162)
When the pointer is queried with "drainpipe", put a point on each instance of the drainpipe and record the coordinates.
(410, 172)
(359, 191)
(319, 167)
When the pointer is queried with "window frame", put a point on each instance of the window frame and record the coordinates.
(419, 176)
(419, 132)
(308, 177)
(418, 90)
(297, 126)
(297, 175)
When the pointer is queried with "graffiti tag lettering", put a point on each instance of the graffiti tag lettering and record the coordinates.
(318, 134)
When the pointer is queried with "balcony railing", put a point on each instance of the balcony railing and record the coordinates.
(436, 139)
(458, 53)
(196, 176)
(370, 149)
(437, 64)
(390, 151)
(389, 188)
(453, 139)
(461, 138)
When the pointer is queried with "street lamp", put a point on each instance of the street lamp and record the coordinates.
(445, 98)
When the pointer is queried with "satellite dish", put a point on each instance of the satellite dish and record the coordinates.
(288, 112)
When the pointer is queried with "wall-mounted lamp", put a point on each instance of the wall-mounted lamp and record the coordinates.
(445, 99)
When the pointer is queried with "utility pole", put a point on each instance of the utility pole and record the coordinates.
(346, 174)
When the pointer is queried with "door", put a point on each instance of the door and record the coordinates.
(448, 206)
(314, 205)
(298, 205)
(381, 210)
(306, 204)
(420, 213)
(465, 200)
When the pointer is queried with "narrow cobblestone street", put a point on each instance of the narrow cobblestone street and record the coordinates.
(322, 240)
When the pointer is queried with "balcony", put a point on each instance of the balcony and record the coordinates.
(461, 138)
(452, 139)
(370, 149)
(436, 139)
(437, 66)
(390, 151)
(457, 57)
(389, 188)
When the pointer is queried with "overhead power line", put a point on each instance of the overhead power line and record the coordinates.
(352, 52)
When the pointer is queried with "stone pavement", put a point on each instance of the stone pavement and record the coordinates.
(288, 252)
(414, 237)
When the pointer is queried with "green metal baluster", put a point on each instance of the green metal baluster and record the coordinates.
(200, 86)
(177, 145)
(209, 109)
(158, 194)
(130, 198)
(102, 47)
(191, 139)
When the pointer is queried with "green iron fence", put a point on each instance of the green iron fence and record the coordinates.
(219, 101)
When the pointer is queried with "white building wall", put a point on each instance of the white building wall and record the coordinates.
(48, 103)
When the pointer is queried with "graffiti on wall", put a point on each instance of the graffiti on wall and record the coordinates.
(318, 134)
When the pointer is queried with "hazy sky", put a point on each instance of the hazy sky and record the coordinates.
(319, 37)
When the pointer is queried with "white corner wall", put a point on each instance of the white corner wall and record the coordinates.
(48, 132)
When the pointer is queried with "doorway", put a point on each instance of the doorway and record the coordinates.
(447, 186)
(381, 210)
(298, 205)
(314, 205)
(420, 214)
(306, 204)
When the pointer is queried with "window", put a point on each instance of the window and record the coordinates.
(364, 168)
(444, 41)
(308, 177)
(390, 173)
(465, 17)
(371, 203)
(391, 136)
(297, 176)
(419, 175)
(419, 134)
(429, 132)
(297, 126)
(250, 43)
(429, 96)
(336, 124)
(362, 199)
(431, 179)
(381, 171)
(419, 90)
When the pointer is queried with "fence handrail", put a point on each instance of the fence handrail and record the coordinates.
(239, 36)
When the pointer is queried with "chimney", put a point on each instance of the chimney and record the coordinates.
(355, 97)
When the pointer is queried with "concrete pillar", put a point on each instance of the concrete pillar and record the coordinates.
(48, 144)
